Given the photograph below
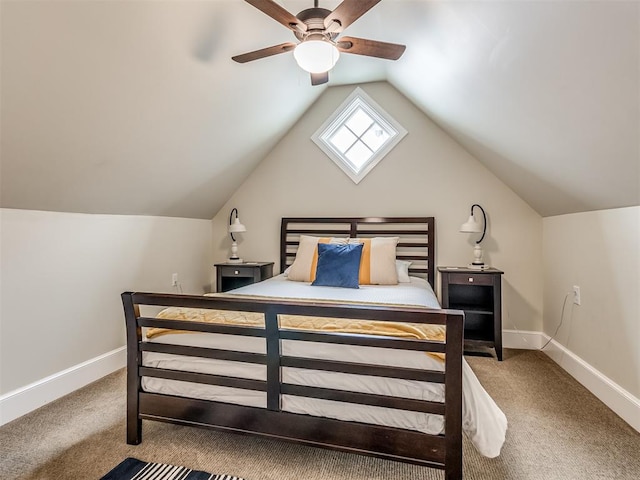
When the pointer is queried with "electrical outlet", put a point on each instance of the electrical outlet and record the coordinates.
(174, 280)
(576, 294)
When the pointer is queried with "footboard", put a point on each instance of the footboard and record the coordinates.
(440, 451)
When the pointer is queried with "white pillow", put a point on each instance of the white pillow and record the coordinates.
(377, 266)
(303, 268)
(402, 267)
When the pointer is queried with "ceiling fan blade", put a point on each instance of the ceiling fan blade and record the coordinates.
(279, 14)
(371, 48)
(319, 78)
(264, 52)
(348, 12)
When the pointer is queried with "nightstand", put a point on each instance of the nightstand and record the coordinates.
(236, 275)
(479, 294)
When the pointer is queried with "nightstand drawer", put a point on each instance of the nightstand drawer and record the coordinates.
(236, 271)
(470, 279)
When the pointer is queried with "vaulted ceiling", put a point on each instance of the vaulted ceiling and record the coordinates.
(135, 107)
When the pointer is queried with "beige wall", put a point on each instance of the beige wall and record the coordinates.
(427, 174)
(600, 252)
(62, 276)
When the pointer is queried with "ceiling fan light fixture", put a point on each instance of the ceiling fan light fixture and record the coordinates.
(316, 56)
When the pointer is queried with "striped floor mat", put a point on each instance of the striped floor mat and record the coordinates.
(134, 469)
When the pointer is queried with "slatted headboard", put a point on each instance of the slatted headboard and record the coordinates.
(417, 237)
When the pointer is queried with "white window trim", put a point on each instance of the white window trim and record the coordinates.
(338, 118)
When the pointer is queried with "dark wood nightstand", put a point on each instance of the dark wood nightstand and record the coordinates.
(479, 294)
(236, 275)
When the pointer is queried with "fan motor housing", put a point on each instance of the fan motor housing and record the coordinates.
(313, 18)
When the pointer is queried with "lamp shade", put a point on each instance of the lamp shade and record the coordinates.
(237, 227)
(471, 226)
(316, 56)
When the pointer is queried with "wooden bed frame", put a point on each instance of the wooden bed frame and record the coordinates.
(416, 244)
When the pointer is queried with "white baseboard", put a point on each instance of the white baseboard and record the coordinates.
(522, 339)
(626, 405)
(623, 403)
(26, 399)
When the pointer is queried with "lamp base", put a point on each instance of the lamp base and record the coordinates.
(477, 254)
(234, 260)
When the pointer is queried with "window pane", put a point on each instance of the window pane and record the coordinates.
(343, 139)
(375, 137)
(359, 122)
(359, 155)
(358, 135)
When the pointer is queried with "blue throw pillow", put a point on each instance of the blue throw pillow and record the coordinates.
(338, 265)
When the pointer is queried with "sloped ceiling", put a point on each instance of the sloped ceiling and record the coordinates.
(135, 107)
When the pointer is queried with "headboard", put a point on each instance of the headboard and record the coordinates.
(417, 237)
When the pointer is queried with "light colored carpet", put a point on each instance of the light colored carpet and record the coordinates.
(557, 430)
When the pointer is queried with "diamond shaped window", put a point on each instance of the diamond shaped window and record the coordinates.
(358, 135)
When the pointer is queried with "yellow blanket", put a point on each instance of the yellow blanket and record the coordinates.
(297, 322)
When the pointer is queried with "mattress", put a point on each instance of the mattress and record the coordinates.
(483, 421)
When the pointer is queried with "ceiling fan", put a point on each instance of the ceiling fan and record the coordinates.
(317, 30)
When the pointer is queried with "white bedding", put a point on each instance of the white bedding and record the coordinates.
(483, 421)
(417, 292)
